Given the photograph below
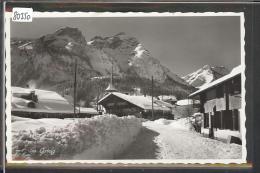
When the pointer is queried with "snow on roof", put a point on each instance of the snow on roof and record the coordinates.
(90, 42)
(162, 103)
(236, 71)
(47, 100)
(187, 102)
(26, 46)
(87, 110)
(42, 94)
(168, 97)
(140, 101)
(19, 103)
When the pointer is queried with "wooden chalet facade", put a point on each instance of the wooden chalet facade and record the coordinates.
(122, 105)
(221, 104)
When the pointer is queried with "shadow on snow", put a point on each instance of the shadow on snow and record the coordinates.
(143, 147)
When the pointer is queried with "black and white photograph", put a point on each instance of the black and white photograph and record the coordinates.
(126, 88)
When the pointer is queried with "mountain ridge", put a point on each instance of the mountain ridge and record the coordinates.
(49, 61)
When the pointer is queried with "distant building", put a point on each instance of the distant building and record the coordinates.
(122, 105)
(26, 46)
(186, 102)
(37, 103)
(168, 98)
(221, 104)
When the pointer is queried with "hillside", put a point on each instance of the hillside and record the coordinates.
(48, 63)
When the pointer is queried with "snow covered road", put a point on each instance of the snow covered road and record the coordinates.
(144, 146)
(167, 139)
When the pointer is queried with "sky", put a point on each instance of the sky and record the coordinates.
(183, 44)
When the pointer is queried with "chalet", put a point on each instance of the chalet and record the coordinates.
(221, 105)
(168, 98)
(122, 105)
(37, 103)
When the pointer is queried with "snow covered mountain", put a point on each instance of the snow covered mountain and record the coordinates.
(205, 75)
(48, 62)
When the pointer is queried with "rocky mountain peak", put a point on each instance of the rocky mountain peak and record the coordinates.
(205, 75)
(118, 40)
(50, 60)
(73, 33)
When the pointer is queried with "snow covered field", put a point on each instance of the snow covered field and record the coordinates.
(175, 139)
(100, 137)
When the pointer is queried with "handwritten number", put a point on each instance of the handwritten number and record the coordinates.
(21, 16)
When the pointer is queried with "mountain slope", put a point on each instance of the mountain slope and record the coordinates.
(205, 75)
(49, 61)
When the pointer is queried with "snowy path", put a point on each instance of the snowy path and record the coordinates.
(144, 146)
(168, 141)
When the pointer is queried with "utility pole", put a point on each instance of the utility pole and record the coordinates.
(97, 95)
(152, 100)
(75, 86)
(111, 79)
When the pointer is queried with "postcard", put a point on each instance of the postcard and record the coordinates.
(140, 88)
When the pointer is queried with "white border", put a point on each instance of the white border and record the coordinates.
(118, 14)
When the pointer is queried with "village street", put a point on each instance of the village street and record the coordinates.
(168, 140)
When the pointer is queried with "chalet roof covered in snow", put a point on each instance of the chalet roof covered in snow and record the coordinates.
(26, 46)
(187, 102)
(48, 101)
(139, 101)
(168, 97)
(236, 71)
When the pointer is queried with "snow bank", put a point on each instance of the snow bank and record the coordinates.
(100, 137)
(28, 124)
(222, 134)
(15, 118)
(226, 133)
(180, 124)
